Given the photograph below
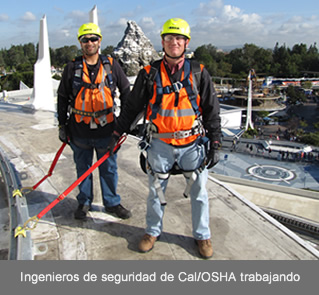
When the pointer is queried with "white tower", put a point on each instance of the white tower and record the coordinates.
(42, 96)
(93, 15)
(249, 100)
(93, 18)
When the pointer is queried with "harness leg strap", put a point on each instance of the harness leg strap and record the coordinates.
(190, 179)
(159, 189)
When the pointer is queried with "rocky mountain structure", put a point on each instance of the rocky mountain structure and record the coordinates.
(135, 50)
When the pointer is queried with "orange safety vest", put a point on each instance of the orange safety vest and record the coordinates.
(176, 112)
(94, 100)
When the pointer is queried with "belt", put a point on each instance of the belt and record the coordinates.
(178, 134)
(91, 114)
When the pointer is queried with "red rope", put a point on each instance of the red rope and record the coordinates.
(55, 160)
(79, 180)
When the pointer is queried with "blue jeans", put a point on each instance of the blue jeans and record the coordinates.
(161, 158)
(83, 149)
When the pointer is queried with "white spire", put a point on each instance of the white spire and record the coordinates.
(42, 96)
(93, 15)
(93, 18)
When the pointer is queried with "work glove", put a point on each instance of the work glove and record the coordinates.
(212, 157)
(114, 139)
(63, 133)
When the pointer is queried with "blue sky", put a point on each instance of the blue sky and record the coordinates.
(218, 22)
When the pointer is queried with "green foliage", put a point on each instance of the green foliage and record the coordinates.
(250, 133)
(12, 82)
(108, 50)
(280, 62)
(61, 56)
(310, 138)
(306, 84)
(295, 96)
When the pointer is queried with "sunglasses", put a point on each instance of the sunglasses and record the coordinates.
(92, 39)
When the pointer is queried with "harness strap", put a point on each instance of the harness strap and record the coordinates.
(190, 179)
(78, 72)
(159, 189)
(176, 87)
(91, 114)
(191, 94)
(178, 134)
(107, 66)
(159, 96)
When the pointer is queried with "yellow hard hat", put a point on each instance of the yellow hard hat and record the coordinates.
(89, 29)
(176, 26)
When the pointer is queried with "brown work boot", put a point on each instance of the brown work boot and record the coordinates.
(205, 248)
(147, 243)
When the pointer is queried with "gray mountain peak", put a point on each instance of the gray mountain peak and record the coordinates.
(135, 50)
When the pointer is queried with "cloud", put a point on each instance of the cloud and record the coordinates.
(28, 17)
(65, 34)
(220, 24)
(113, 32)
(210, 8)
(212, 22)
(76, 17)
(147, 25)
(4, 17)
(226, 25)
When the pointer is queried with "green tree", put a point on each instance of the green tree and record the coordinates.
(281, 58)
(108, 50)
(214, 60)
(295, 96)
(29, 52)
(15, 56)
(250, 57)
(61, 56)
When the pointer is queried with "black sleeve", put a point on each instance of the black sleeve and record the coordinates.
(134, 105)
(210, 107)
(121, 82)
(64, 94)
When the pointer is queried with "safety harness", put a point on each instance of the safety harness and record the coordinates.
(78, 83)
(150, 132)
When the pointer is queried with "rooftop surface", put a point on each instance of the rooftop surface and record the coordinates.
(240, 230)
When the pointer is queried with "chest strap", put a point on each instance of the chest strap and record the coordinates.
(175, 87)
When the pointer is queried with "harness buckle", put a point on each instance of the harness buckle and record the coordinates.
(181, 134)
(177, 86)
(96, 115)
(143, 145)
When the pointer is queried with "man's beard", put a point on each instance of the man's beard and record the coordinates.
(91, 53)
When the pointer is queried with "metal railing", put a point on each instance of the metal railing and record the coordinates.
(20, 247)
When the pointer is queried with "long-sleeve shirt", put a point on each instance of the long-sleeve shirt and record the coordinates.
(140, 96)
(66, 98)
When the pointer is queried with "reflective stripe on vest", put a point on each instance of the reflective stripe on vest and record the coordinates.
(174, 107)
(94, 97)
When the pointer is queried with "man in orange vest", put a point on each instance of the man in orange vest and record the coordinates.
(86, 117)
(184, 131)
